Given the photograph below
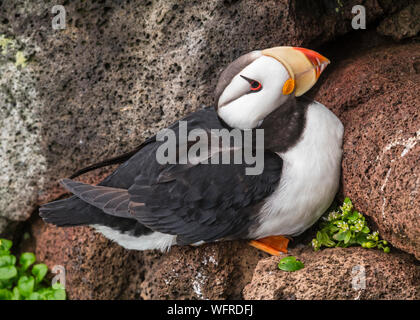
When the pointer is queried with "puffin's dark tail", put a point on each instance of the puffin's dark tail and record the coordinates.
(70, 212)
(75, 212)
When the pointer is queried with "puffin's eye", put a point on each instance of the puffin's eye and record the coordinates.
(255, 85)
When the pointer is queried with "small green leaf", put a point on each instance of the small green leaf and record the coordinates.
(57, 286)
(291, 267)
(5, 246)
(8, 272)
(290, 264)
(15, 294)
(319, 237)
(333, 228)
(5, 294)
(44, 292)
(369, 245)
(361, 238)
(288, 259)
(326, 241)
(6, 284)
(365, 230)
(26, 260)
(353, 217)
(59, 294)
(347, 237)
(34, 296)
(340, 236)
(26, 285)
(7, 260)
(347, 201)
(39, 271)
(48, 294)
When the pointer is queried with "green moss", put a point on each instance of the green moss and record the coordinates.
(9, 49)
(4, 44)
(20, 59)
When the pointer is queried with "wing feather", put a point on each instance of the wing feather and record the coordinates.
(113, 201)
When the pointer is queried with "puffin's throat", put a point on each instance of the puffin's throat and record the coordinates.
(284, 126)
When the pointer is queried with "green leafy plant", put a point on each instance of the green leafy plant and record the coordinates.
(346, 227)
(21, 282)
(290, 264)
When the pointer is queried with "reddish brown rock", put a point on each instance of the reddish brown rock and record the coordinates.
(376, 95)
(96, 268)
(351, 273)
(99, 269)
(216, 271)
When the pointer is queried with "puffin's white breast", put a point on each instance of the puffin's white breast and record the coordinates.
(310, 177)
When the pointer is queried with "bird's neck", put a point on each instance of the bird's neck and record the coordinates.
(284, 126)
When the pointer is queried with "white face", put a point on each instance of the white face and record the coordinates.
(240, 106)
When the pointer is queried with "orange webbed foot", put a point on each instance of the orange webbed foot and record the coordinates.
(272, 245)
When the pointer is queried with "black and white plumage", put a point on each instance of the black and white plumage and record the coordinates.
(145, 205)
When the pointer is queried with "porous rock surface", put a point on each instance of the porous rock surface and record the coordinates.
(403, 24)
(375, 94)
(351, 273)
(96, 268)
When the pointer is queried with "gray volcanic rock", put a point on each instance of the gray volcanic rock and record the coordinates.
(22, 160)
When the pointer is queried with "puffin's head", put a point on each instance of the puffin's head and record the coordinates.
(257, 83)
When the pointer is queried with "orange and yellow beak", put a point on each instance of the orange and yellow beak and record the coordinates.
(304, 65)
(319, 62)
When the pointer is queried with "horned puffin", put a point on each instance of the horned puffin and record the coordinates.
(146, 205)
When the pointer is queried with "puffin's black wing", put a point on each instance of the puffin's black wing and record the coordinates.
(195, 202)
(201, 202)
(204, 202)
